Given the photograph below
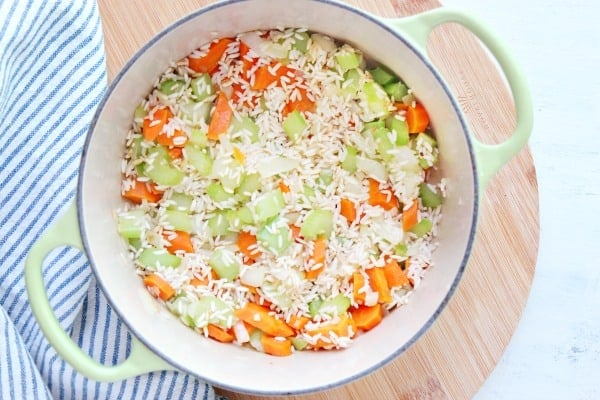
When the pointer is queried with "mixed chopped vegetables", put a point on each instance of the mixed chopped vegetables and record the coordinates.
(279, 191)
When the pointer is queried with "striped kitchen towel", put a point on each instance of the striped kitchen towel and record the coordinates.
(52, 77)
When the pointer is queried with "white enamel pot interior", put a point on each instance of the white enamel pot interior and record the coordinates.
(227, 365)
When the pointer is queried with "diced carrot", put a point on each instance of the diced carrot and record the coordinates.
(300, 103)
(175, 152)
(238, 92)
(238, 155)
(151, 128)
(142, 191)
(195, 281)
(295, 231)
(221, 117)
(260, 317)
(410, 216)
(218, 333)
(358, 283)
(383, 199)
(179, 240)
(283, 187)
(317, 257)
(247, 62)
(394, 274)
(159, 287)
(367, 318)
(263, 76)
(344, 327)
(248, 245)
(177, 139)
(379, 284)
(298, 321)
(276, 346)
(400, 106)
(417, 118)
(348, 210)
(210, 62)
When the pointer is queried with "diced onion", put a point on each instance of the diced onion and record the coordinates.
(372, 168)
(272, 166)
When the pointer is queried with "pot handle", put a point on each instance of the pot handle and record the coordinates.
(66, 232)
(490, 158)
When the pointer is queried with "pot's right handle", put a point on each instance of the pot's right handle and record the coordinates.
(65, 232)
(490, 158)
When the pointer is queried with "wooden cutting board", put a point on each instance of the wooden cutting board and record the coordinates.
(454, 358)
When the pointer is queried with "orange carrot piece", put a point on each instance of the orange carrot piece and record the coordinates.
(218, 333)
(179, 240)
(379, 284)
(317, 257)
(177, 139)
(298, 322)
(283, 187)
(159, 287)
(247, 62)
(210, 62)
(367, 318)
(417, 118)
(142, 191)
(348, 210)
(410, 216)
(358, 283)
(263, 76)
(276, 346)
(400, 106)
(260, 317)
(394, 274)
(175, 152)
(151, 128)
(300, 103)
(221, 117)
(248, 245)
(295, 231)
(339, 328)
(379, 198)
(195, 281)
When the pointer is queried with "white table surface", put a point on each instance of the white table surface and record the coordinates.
(555, 351)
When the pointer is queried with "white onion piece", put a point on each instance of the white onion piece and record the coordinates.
(255, 42)
(324, 42)
(372, 168)
(241, 333)
(271, 166)
(254, 276)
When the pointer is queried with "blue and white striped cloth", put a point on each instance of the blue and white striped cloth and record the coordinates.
(52, 77)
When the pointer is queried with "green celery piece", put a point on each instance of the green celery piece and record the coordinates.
(209, 309)
(159, 168)
(131, 223)
(377, 99)
(317, 223)
(294, 125)
(396, 90)
(135, 243)
(299, 343)
(230, 175)
(309, 192)
(428, 196)
(181, 201)
(150, 257)
(239, 218)
(347, 59)
(198, 138)
(382, 75)
(422, 227)
(170, 86)
(140, 169)
(178, 220)
(247, 125)
(275, 237)
(383, 142)
(225, 264)
(349, 162)
(375, 124)
(218, 224)
(250, 183)
(202, 87)
(351, 82)
(300, 41)
(194, 112)
(326, 177)
(314, 307)
(424, 163)
(268, 205)
(401, 249)
(140, 112)
(137, 148)
(337, 305)
(217, 193)
(400, 128)
(199, 159)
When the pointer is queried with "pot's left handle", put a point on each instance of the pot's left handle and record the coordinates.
(65, 232)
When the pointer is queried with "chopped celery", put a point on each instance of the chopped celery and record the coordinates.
(275, 237)
(140, 112)
(196, 112)
(137, 147)
(326, 177)
(314, 307)
(396, 90)
(294, 125)
(401, 250)
(217, 193)
(426, 147)
(246, 125)
(202, 87)
(209, 309)
(256, 340)
(218, 224)
(199, 159)
(382, 75)
(300, 42)
(383, 142)
(135, 243)
(225, 263)
(347, 59)
(170, 86)
(428, 196)
(317, 223)
(181, 201)
(309, 192)
(131, 223)
(299, 343)
(198, 138)
(229, 172)
(336, 305)
(422, 227)
(351, 82)
(250, 183)
(178, 220)
(239, 218)
(140, 169)
(160, 170)
(400, 128)
(376, 98)
(268, 205)
(377, 123)
(151, 257)
(349, 162)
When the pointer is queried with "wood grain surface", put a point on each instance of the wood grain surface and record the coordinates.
(457, 354)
